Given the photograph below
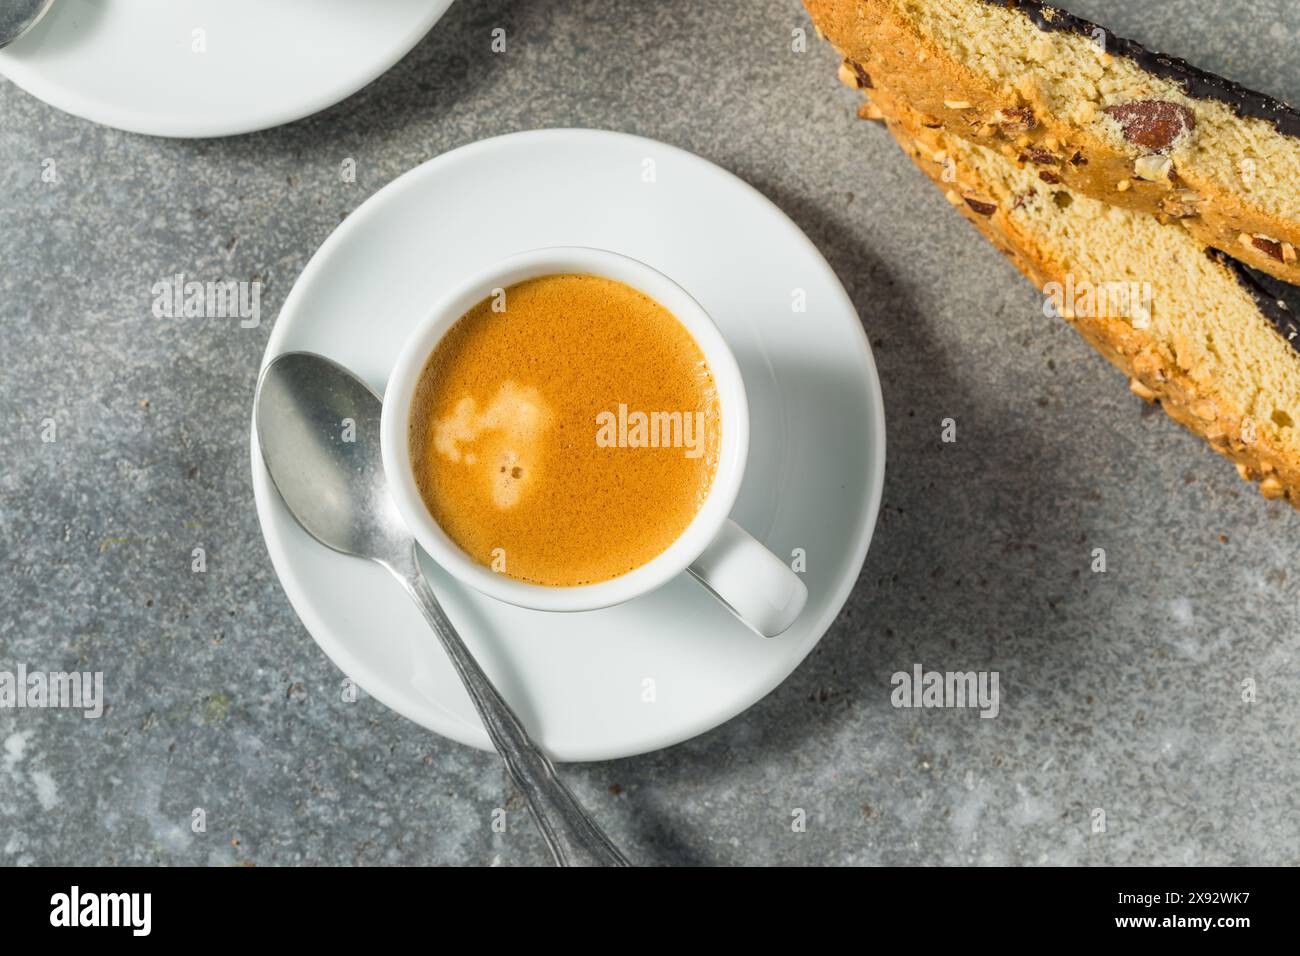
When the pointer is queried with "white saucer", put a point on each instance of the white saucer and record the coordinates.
(601, 684)
(132, 63)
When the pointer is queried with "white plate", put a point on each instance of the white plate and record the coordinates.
(132, 64)
(670, 665)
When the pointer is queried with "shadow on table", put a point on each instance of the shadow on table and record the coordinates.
(929, 505)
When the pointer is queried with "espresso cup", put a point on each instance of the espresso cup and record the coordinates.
(756, 585)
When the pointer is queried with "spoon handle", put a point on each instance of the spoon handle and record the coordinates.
(573, 837)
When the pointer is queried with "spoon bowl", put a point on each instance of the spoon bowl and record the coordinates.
(318, 429)
(19, 16)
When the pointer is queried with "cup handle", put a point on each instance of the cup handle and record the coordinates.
(753, 582)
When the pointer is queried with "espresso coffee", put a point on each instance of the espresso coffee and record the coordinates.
(566, 430)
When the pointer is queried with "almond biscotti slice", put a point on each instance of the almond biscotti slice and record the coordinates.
(1186, 324)
(1080, 106)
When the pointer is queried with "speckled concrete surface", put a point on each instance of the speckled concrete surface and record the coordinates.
(1120, 691)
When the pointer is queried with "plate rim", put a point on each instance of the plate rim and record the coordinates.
(476, 736)
(78, 104)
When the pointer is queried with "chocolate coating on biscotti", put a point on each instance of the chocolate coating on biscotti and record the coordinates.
(1279, 315)
(1196, 83)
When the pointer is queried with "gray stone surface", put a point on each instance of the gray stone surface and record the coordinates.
(1120, 691)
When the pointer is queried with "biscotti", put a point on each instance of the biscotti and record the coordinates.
(1187, 325)
(1082, 107)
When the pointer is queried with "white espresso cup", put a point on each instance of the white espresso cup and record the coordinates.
(755, 584)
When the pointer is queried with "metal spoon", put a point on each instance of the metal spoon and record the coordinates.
(335, 488)
(19, 16)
